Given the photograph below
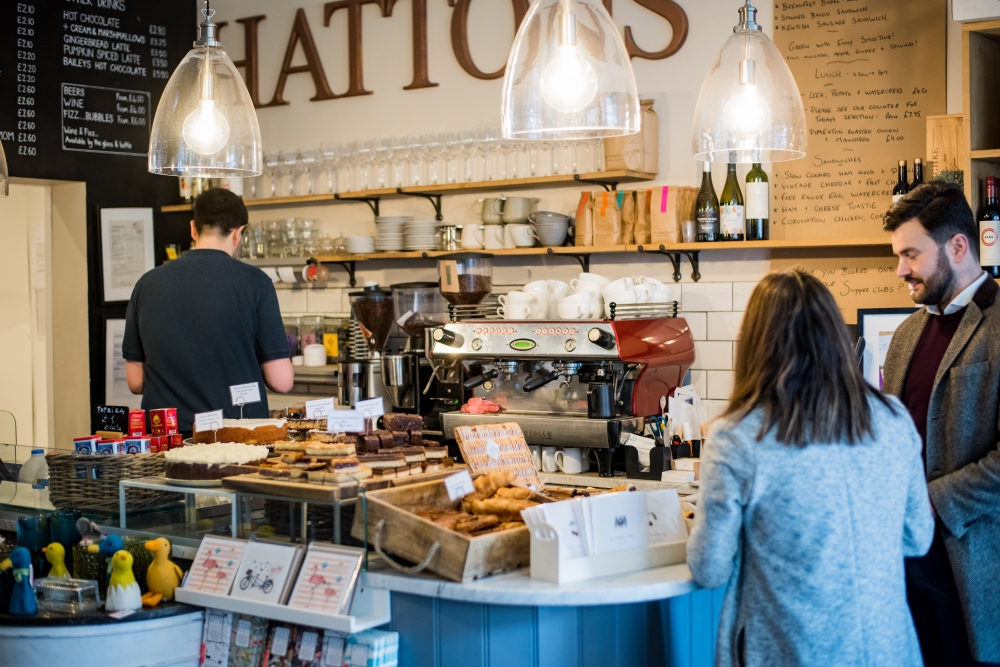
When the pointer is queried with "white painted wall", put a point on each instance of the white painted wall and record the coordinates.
(713, 306)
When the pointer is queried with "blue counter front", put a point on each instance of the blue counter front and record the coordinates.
(656, 617)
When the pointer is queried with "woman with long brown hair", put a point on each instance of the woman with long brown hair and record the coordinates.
(812, 493)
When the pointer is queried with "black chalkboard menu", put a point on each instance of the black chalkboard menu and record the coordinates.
(111, 418)
(80, 81)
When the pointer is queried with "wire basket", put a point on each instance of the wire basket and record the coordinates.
(485, 310)
(90, 482)
(643, 311)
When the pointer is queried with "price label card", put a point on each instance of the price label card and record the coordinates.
(307, 647)
(346, 421)
(373, 407)
(459, 485)
(245, 393)
(208, 421)
(333, 650)
(492, 449)
(243, 633)
(118, 615)
(319, 408)
(279, 645)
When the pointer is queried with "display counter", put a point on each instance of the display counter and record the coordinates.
(652, 617)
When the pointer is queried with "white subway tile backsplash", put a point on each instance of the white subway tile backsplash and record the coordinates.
(700, 381)
(697, 324)
(707, 296)
(720, 385)
(714, 408)
(327, 301)
(292, 301)
(713, 355)
(724, 326)
(741, 294)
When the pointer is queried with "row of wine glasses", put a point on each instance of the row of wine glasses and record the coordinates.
(463, 156)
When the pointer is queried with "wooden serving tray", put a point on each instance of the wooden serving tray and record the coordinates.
(302, 491)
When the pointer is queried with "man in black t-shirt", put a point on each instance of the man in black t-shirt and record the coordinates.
(206, 322)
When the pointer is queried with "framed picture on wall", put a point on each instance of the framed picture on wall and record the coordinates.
(126, 249)
(876, 327)
(116, 391)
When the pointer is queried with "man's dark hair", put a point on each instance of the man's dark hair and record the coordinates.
(218, 211)
(942, 210)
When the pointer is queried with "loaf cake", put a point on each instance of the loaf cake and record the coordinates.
(211, 462)
(398, 421)
(245, 431)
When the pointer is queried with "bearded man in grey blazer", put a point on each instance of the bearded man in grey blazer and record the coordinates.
(944, 364)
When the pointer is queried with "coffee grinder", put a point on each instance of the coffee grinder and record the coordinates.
(407, 376)
(361, 378)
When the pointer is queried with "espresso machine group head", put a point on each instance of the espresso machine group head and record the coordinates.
(569, 383)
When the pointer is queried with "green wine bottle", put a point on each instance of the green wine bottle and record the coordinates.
(707, 208)
(731, 208)
(758, 204)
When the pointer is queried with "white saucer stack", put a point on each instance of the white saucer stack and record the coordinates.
(421, 235)
(389, 234)
(360, 245)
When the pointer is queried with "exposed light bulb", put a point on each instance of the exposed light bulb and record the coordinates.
(746, 113)
(205, 129)
(568, 83)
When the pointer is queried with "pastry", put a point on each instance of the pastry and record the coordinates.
(383, 473)
(416, 438)
(480, 522)
(397, 421)
(514, 493)
(289, 446)
(386, 441)
(340, 478)
(435, 453)
(322, 436)
(401, 438)
(329, 449)
(506, 509)
(291, 457)
(403, 471)
(368, 443)
(414, 454)
(210, 462)
(389, 461)
(307, 424)
(245, 431)
(297, 436)
(345, 465)
(431, 467)
(416, 468)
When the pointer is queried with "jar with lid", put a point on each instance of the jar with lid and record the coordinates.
(310, 330)
(334, 331)
(466, 278)
(292, 335)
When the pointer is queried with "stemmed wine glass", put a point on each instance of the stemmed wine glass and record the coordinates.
(416, 152)
(489, 138)
(309, 161)
(348, 160)
(470, 144)
(452, 155)
(365, 159)
(434, 149)
(330, 157)
(291, 168)
(400, 160)
(383, 162)
(272, 168)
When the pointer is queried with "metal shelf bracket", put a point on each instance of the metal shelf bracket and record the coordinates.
(583, 258)
(373, 202)
(434, 199)
(675, 259)
(350, 267)
(609, 186)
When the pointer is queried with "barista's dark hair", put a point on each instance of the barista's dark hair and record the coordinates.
(941, 209)
(219, 211)
(796, 364)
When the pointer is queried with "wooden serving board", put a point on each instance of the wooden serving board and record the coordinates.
(302, 491)
(429, 476)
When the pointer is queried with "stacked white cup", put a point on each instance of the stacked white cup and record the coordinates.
(516, 305)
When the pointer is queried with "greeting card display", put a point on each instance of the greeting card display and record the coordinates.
(216, 565)
(327, 579)
(266, 571)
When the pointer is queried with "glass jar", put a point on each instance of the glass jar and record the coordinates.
(292, 335)
(466, 277)
(418, 307)
(373, 310)
(334, 331)
(310, 330)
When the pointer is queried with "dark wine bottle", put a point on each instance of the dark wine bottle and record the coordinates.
(758, 204)
(989, 230)
(918, 174)
(902, 187)
(707, 210)
(732, 212)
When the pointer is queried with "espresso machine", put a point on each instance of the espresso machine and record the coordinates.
(408, 377)
(571, 383)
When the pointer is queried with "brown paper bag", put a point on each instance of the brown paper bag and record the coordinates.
(636, 152)
(642, 199)
(584, 224)
(627, 204)
(607, 219)
(669, 206)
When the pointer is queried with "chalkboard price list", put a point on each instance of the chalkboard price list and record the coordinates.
(27, 71)
(158, 51)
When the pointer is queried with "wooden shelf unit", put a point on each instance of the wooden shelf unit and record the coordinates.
(980, 106)
(609, 178)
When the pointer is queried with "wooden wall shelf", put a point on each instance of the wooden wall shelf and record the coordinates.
(604, 178)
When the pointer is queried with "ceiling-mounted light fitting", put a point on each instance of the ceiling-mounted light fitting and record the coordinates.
(568, 75)
(205, 124)
(749, 108)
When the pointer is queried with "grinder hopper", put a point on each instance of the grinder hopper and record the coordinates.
(373, 309)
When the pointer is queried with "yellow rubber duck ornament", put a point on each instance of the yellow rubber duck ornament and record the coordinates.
(55, 553)
(123, 589)
(163, 575)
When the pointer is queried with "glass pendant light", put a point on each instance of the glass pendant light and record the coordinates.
(568, 75)
(749, 109)
(4, 176)
(205, 124)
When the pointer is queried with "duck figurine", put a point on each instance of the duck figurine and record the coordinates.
(22, 600)
(108, 547)
(55, 553)
(163, 575)
(123, 589)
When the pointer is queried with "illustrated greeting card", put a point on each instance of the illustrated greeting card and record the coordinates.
(265, 571)
(327, 579)
(215, 566)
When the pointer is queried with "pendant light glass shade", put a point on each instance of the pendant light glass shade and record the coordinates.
(749, 109)
(568, 75)
(205, 124)
(4, 176)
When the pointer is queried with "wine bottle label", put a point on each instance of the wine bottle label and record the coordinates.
(707, 222)
(896, 198)
(732, 219)
(989, 243)
(758, 201)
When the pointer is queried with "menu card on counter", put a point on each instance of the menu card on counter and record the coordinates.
(869, 74)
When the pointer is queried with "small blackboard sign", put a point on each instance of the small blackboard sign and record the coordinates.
(111, 418)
